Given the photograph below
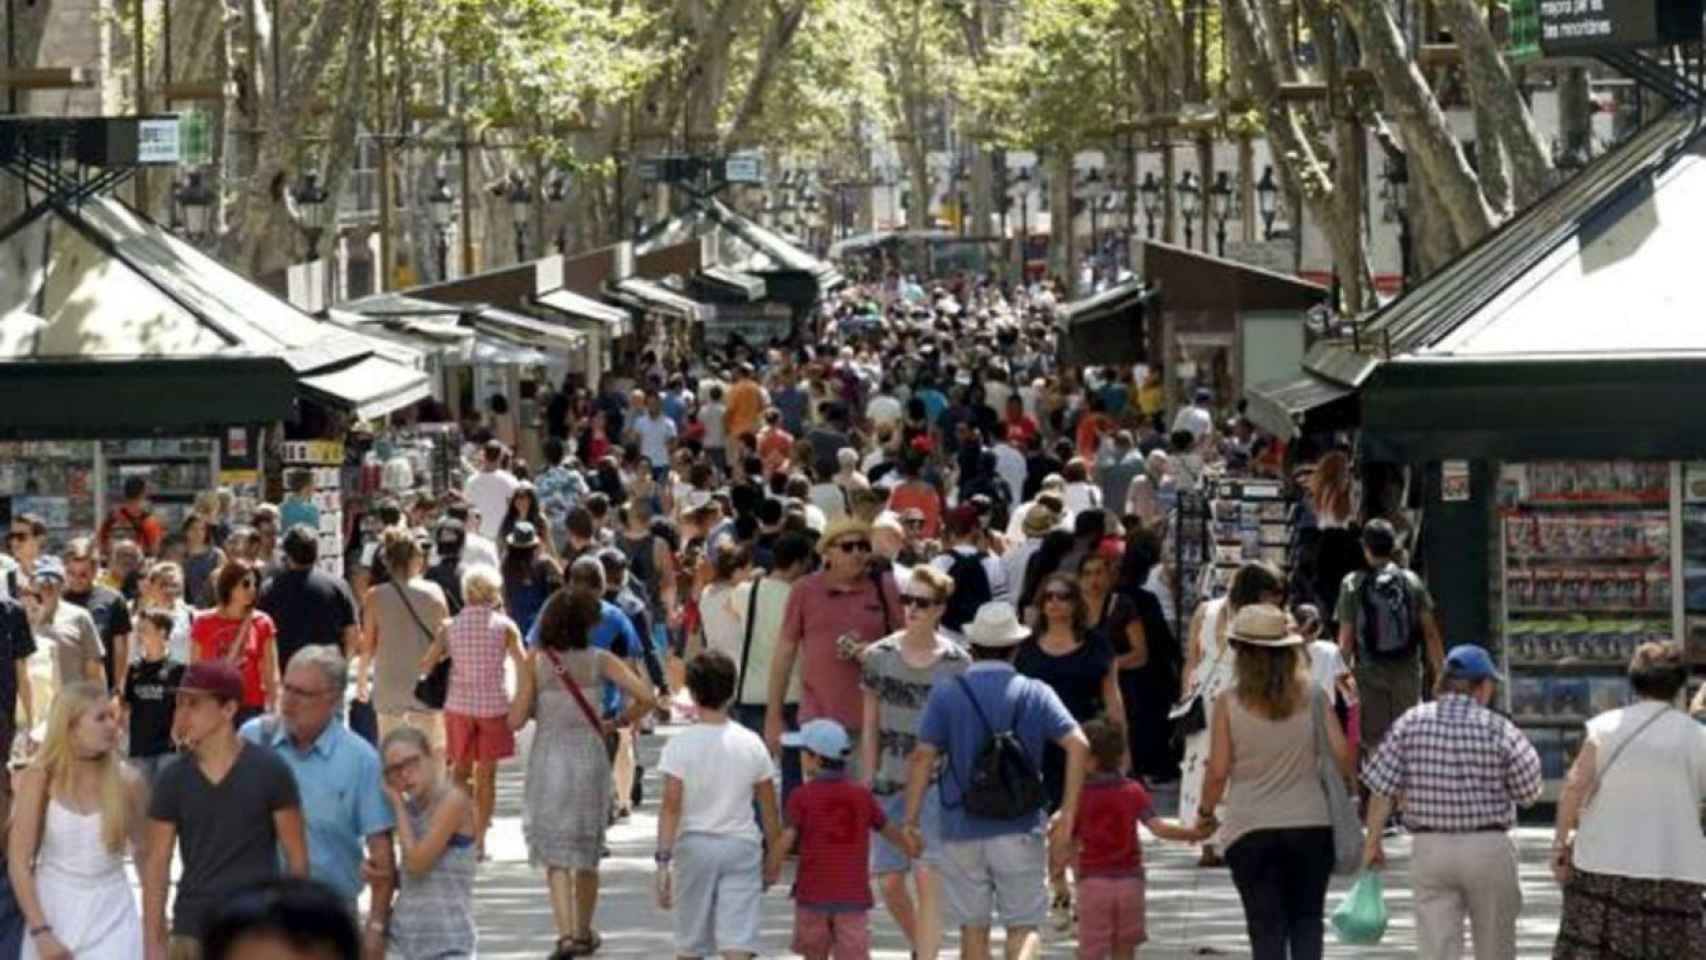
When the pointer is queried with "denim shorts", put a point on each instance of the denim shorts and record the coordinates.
(998, 880)
(885, 856)
(719, 886)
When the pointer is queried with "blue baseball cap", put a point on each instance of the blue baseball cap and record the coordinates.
(826, 738)
(1471, 663)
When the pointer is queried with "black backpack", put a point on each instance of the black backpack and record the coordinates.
(1005, 784)
(1389, 623)
(971, 589)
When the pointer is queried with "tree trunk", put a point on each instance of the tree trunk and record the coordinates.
(785, 23)
(1575, 116)
(1434, 153)
(23, 270)
(1496, 94)
(1062, 243)
(1492, 167)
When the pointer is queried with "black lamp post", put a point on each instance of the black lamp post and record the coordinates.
(557, 191)
(1021, 188)
(1396, 173)
(1267, 198)
(197, 200)
(443, 205)
(809, 211)
(520, 198)
(1190, 203)
(1220, 197)
(1150, 192)
(1092, 189)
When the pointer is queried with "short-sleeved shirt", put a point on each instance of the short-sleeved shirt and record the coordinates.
(718, 764)
(226, 837)
(1459, 766)
(1077, 677)
(149, 691)
(16, 643)
(307, 607)
(951, 724)
(212, 636)
(834, 817)
(112, 619)
(818, 614)
(654, 434)
(296, 511)
(343, 797)
(1109, 811)
(1349, 605)
(74, 642)
(901, 692)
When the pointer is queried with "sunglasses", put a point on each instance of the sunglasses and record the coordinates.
(1062, 595)
(854, 546)
(13, 536)
(922, 603)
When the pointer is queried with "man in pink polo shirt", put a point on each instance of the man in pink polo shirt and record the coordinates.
(832, 615)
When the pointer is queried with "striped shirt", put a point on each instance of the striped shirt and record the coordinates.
(477, 647)
(1461, 767)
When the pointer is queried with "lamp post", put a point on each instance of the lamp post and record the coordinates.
(1220, 197)
(520, 198)
(1267, 198)
(1150, 192)
(197, 200)
(557, 191)
(1396, 194)
(443, 205)
(1021, 189)
(310, 199)
(1091, 189)
(1190, 203)
(809, 211)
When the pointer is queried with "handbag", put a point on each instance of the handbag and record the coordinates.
(1341, 808)
(432, 688)
(1191, 717)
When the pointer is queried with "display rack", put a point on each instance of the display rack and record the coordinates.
(55, 480)
(178, 469)
(1588, 554)
(1251, 520)
(1191, 545)
(325, 460)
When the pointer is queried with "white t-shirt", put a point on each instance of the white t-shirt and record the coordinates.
(489, 492)
(1195, 419)
(716, 432)
(1326, 666)
(831, 499)
(655, 434)
(884, 409)
(717, 764)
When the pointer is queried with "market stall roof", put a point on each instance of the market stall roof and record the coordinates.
(148, 314)
(1106, 327)
(738, 282)
(476, 333)
(741, 244)
(584, 308)
(646, 294)
(1279, 407)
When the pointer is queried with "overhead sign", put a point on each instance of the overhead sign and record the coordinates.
(1588, 27)
(744, 168)
(157, 140)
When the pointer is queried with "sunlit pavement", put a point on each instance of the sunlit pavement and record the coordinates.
(1192, 912)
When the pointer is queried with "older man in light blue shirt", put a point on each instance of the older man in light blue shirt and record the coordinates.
(341, 782)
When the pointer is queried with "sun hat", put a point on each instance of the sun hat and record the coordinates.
(823, 736)
(841, 528)
(1263, 625)
(996, 625)
(1470, 662)
(1039, 521)
(522, 535)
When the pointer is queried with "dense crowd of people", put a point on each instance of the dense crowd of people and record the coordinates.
(910, 587)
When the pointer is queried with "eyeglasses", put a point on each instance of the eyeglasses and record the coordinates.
(302, 693)
(854, 546)
(1064, 596)
(913, 600)
(13, 536)
(392, 769)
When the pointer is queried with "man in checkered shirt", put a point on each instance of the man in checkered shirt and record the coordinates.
(1462, 771)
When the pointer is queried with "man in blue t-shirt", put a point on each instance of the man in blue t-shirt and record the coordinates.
(989, 865)
(614, 632)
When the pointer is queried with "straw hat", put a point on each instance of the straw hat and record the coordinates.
(1263, 625)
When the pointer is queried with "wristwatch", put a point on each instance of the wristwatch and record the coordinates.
(663, 857)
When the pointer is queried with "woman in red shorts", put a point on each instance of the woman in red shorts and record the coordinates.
(476, 727)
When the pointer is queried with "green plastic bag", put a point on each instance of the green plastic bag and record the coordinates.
(1360, 919)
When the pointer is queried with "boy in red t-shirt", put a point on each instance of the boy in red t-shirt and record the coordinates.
(832, 817)
(1109, 856)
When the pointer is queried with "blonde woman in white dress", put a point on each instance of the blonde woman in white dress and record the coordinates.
(77, 807)
(1210, 664)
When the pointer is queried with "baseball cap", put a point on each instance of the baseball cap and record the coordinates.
(213, 677)
(1470, 662)
(824, 737)
(50, 567)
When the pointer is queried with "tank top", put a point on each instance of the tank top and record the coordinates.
(402, 643)
(1275, 784)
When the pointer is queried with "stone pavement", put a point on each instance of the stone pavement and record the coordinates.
(1192, 912)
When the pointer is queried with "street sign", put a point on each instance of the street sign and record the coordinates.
(1573, 28)
(744, 168)
(157, 140)
(651, 169)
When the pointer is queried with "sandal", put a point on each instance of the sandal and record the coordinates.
(565, 949)
(587, 945)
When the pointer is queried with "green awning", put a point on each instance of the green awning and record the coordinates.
(79, 398)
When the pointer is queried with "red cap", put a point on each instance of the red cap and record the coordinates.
(961, 520)
(213, 677)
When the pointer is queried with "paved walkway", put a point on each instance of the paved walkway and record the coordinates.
(1192, 912)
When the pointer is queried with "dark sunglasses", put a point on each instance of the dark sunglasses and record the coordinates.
(13, 536)
(1059, 595)
(922, 603)
(854, 546)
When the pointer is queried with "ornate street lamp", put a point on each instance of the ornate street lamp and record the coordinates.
(520, 198)
(557, 192)
(1091, 189)
(1020, 188)
(1396, 208)
(1220, 197)
(1190, 203)
(1267, 199)
(443, 205)
(197, 200)
(1150, 192)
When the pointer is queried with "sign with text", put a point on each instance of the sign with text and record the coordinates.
(1587, 27)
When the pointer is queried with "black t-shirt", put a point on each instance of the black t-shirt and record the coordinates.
(17, 642)
(447, 573)
(307, 607)
(112, 619)
(150, 691)
(226, 837)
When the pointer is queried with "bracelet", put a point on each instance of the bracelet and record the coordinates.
(44, 928)
(663, 857)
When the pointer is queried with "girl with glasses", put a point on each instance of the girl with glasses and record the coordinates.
(234, 631)
(433, 916)
(896, 678)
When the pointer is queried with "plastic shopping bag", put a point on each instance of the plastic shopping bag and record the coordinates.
(1360, 919)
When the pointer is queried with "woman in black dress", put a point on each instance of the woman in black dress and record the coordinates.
(1079, 666)
(1150, 687)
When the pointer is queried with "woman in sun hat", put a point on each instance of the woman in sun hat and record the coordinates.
(1277, 833)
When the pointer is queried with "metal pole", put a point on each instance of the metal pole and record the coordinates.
(382, 269)
(140, 26)
(467, 211)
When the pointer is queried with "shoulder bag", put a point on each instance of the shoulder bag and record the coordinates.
(1341, 807)
(1191, 717)
(1599, 778)
(746, 643)
(433, 687)
(574, 689)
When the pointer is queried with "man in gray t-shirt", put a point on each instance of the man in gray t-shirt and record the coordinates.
(900, 690)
